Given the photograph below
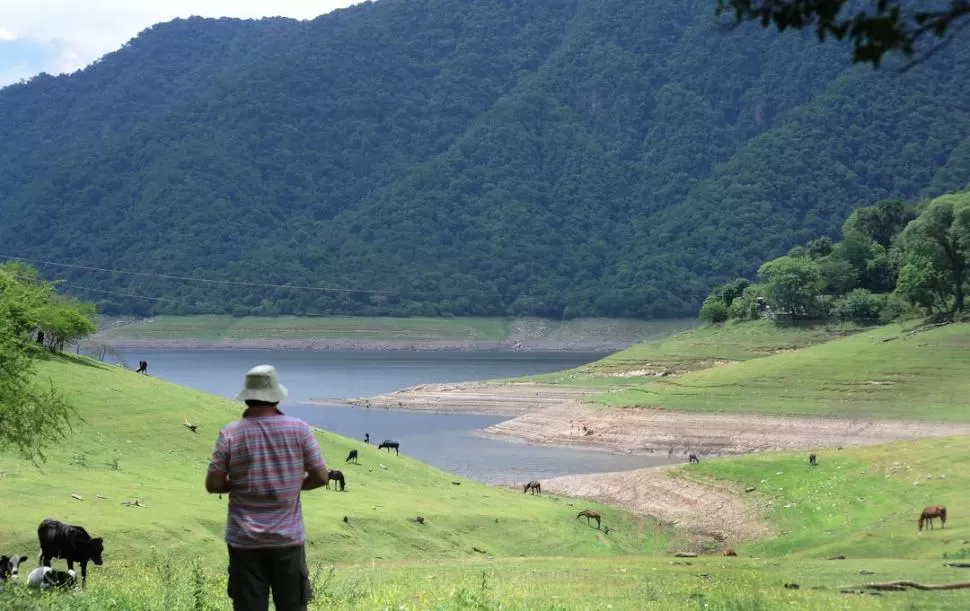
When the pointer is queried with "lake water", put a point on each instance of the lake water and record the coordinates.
(443, 440)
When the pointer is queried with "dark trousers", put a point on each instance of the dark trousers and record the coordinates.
(253, 572)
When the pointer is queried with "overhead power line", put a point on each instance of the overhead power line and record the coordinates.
(265, 285)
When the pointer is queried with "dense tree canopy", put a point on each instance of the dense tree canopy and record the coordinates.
(893, 257)
(463, 157)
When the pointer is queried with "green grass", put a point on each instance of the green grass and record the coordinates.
(692, 350)
(228, 328)
(863, 502)
(133, 445)
(924, 375)
(619, 583)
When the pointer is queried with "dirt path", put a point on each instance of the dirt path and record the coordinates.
(637, 430)
(701, 510)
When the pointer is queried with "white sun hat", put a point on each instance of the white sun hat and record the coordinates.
(262, 385)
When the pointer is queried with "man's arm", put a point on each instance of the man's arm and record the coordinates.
(217, 476)
(316, 467)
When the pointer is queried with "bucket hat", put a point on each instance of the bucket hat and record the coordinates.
(262, 384)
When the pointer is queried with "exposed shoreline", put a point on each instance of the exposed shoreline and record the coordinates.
(338, 345)
(339, 333)
(556, 416)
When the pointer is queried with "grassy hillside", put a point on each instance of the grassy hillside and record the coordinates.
(863, 502)
(692, 350)
(132, 445)
(887, 372)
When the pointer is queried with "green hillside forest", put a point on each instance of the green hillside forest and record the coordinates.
(556, 158)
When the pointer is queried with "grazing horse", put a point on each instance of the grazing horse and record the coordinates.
(352, 456)
(387, 443)
(692, 458)
(933, 511)
(534, 486)
(811, 460)
(337, 478)
(589, 513)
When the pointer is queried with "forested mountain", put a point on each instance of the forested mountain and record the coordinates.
(469, 157)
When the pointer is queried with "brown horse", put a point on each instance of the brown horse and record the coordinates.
(933, 511)
(534, 486)
(590, 514)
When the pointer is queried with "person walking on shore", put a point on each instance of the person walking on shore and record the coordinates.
(263, 461)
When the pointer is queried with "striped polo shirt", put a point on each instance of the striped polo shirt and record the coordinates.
(266, 459)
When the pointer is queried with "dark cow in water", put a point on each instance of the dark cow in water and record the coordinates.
(387, 443)
(71, 543)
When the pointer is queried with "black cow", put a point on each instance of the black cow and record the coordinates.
(352, 456)
(10, 566)
(71, 543)
(336, 477)
(387, 443)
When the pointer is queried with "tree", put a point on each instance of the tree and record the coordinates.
(793, 287)
(32, 416)
(936, 247)
(65, 321)
(887, 26)
(880, 223)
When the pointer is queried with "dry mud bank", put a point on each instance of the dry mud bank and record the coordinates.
(637, 430)
(471, 398)
(706, 511)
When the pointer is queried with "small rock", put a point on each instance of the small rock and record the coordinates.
(750, 489)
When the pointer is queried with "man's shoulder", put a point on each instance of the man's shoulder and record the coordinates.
(290, 423)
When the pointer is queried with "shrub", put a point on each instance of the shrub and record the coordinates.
(714, 310)
(859, 305)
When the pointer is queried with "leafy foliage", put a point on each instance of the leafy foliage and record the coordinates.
(476, 157)
(937, 252)
(890, 253)
(33, 416)
(883, 28)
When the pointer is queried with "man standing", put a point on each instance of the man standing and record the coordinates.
(263, 461)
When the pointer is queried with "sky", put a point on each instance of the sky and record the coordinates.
(58, 36)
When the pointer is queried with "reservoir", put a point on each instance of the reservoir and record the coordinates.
(445, 441)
